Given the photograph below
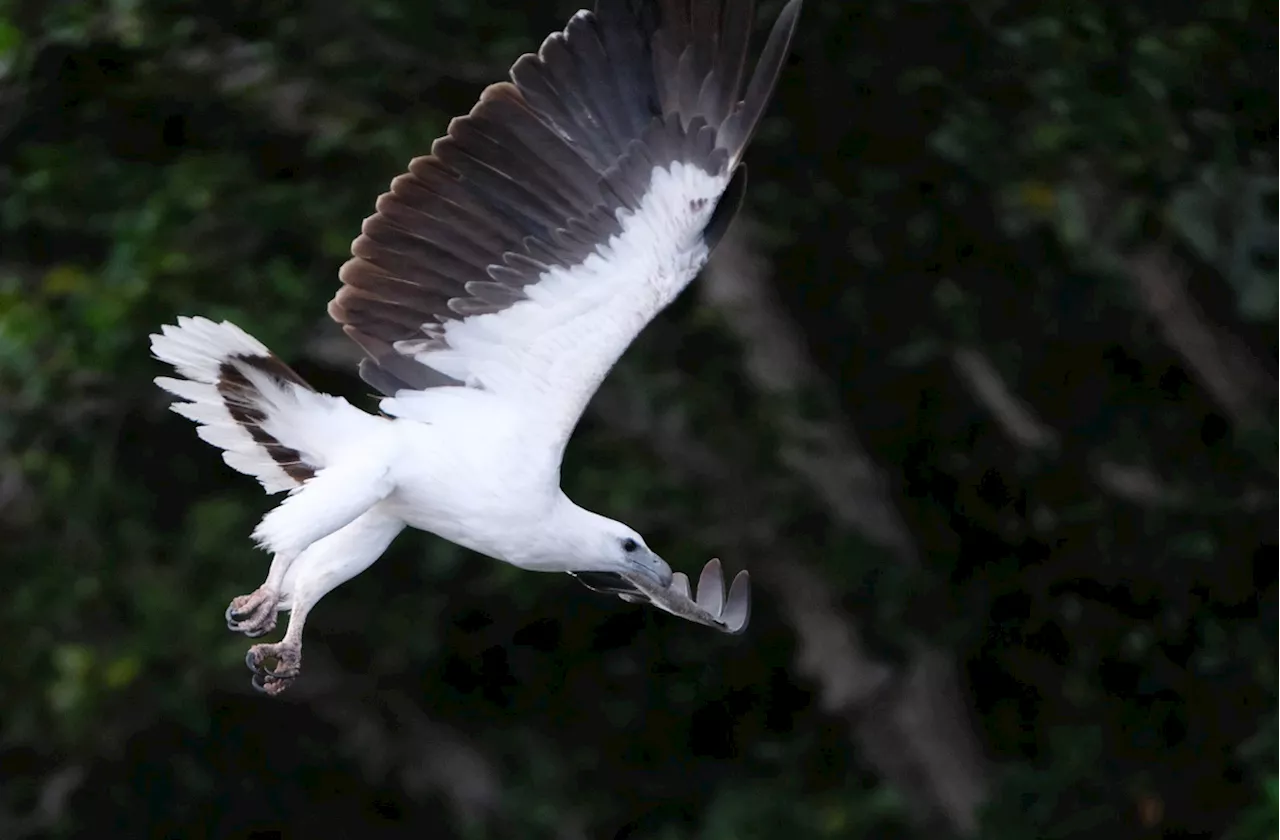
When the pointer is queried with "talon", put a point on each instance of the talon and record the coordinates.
(253, 614)
(268, 684)
(253, 660)
(288, 664)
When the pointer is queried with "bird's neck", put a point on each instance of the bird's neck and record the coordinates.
(556, 541)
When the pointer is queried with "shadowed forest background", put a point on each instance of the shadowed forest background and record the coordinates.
(981, 388)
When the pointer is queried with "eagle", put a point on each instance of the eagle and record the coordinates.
(494, 287)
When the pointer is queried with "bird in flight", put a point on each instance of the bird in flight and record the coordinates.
(495, 286)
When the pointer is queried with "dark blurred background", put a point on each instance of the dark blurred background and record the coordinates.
(981, 388)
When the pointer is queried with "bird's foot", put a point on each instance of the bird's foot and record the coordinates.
(287, 658)
(253, 614)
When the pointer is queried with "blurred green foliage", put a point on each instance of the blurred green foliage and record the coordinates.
(932, 176)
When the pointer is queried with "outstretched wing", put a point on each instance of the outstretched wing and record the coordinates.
(571, 205)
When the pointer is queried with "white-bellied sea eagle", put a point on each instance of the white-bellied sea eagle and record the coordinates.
(492, 290)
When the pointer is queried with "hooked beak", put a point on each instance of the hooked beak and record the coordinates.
(710, 606)
(647, 567)
(652, 567)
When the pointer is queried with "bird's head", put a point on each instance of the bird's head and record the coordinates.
(621, 551)
(599, 551)
(610, 557)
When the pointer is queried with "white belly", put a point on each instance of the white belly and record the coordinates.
(475, 476)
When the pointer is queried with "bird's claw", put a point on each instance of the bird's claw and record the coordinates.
(253, 614)
(288, 664)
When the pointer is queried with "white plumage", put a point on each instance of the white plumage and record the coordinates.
(316, 424)
(489, 328)
(549, 353)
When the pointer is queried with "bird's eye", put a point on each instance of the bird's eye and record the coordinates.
(629, 545)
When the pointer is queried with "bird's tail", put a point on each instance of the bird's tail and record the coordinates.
(268, 422)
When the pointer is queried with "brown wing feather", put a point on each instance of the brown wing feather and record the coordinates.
(535, 175)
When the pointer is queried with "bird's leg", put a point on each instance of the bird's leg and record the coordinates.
(325, 564)
(326, 504)
(255, 614)
(276, 666)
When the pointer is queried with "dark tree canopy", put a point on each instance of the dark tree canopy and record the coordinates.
(981, 388)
